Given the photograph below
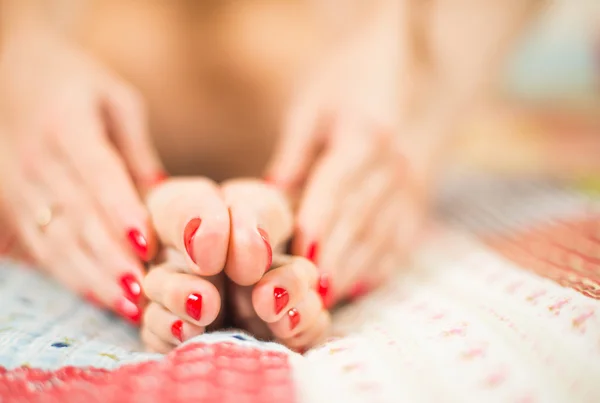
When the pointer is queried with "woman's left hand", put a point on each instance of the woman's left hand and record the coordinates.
(362, 197)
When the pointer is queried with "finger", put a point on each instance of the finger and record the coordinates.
(98, 166)
(361, 205)
(154, 343)
(298, 146)
(365, 252)
(129, 130)
(300, 318)
(282, 288)
(261, 221)
(191, 216)
(330, 181)
(169, 327)
(186, 295)
(77, 208)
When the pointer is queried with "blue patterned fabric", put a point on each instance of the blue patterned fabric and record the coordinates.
(43, 325)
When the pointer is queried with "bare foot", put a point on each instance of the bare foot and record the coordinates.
(211, 232)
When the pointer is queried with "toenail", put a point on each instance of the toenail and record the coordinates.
(281, 299)
(131, 287)
(312, 252)
(177, 330)
(189, 233)
(294, 318)
(157, 179)
(193, 306)
(128, 310)
(265, 238)
(139, 243)
(323, 289)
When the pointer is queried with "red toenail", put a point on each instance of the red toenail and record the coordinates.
(323, 289)
(139, 243)
(193, 306)
(128, 310)
(294, 318)
(359, 289)
(265, 238)
(131, 287)
(188, 236)
(92, 299)
(177, 330)
(281, 299)
(312, 252)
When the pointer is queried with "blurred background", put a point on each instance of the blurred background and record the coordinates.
(545, 114)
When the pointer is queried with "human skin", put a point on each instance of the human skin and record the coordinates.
(222, 101)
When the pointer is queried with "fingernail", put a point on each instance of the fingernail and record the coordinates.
(157, 179)
(128, 310)
(193, 306)
(139, 243)
(131, 287)
(323, 289)
(265, 238)
(281, 299)
(188, 236)
(359, 289)
(177, 330)
(312, 252)
(294, 318)
(92, 299)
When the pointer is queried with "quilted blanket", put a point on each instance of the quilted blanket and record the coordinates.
(500, 304)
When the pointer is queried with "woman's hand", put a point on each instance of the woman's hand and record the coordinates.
(362, 168)
(73, 148)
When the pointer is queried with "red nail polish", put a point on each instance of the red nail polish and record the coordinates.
(128, 310)
(294, 318)
(265, 238)
(312, 252)
(131, 287)
(92, 299)
(139, 243)
(193, 306)
(281, 299)
(157, 179)
(269, 180)
(323, 289)
(359, 289)
(188, 236)
(177, 330)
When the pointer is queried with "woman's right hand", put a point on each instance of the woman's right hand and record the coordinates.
(74, 154)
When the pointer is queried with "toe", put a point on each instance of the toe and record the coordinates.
(261, 221)
(191, 216)
(154, 343)
(316, 333)
(283, 288)
(187, 296)
(298, 319)
(169, 327)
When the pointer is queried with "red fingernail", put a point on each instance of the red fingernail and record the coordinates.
(131, 287)
(188, 236)
(92, 299)
(323, 289)
(281, 299)
(193, 306)
(312, 252)
(139, 243)
(157, 179)
(294, 318)
(359, 289)
(128, 310)
(265, 238)
(177, 330)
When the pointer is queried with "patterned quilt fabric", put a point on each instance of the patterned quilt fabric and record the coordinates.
(499, 305)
